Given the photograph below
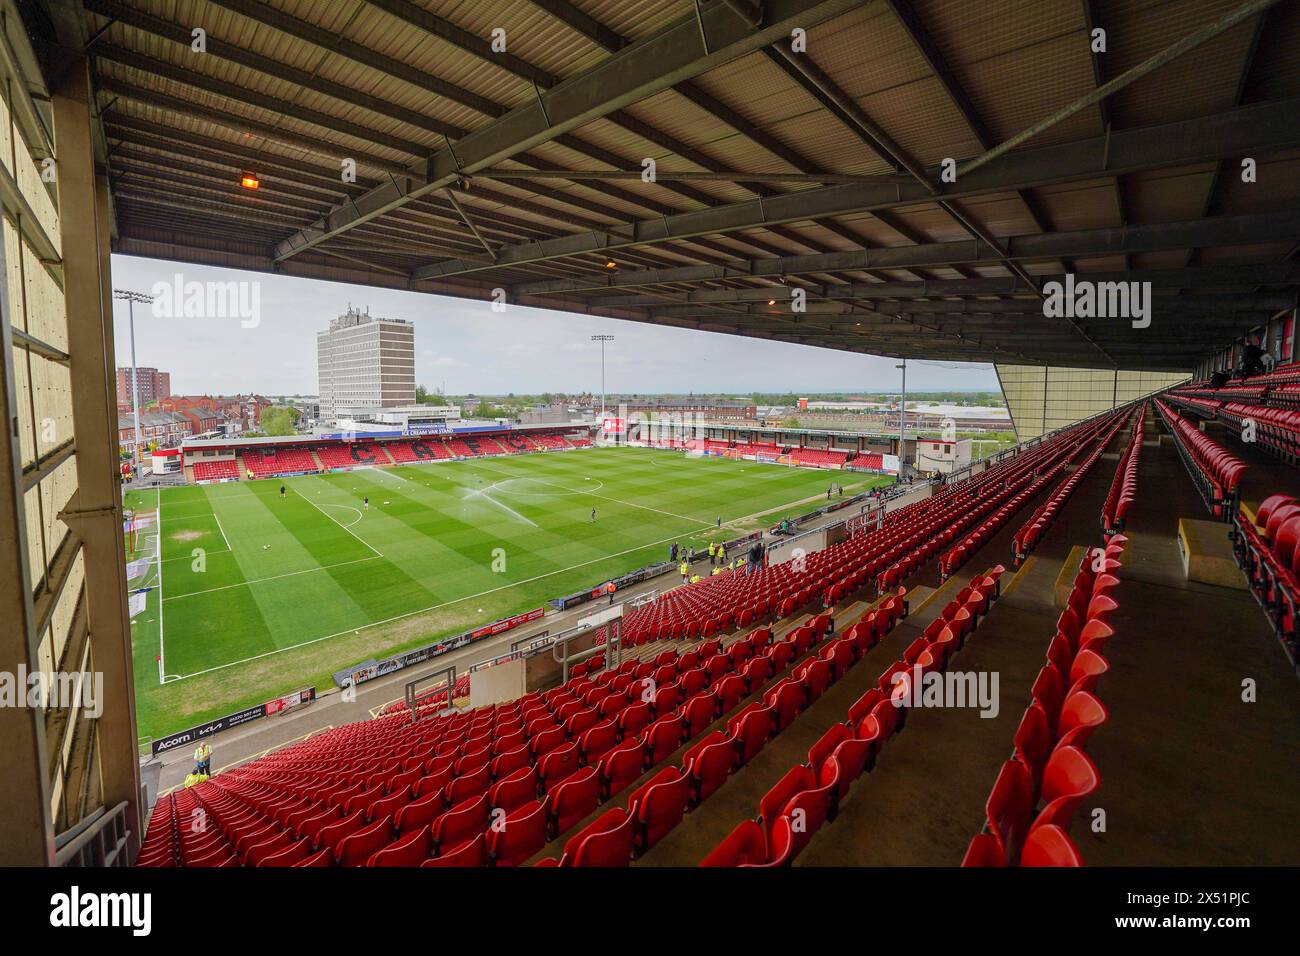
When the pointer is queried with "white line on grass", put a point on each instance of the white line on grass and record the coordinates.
(434, 607)
(162, 664)
(483, 493)
(273, 577)
(355, 511)
(703, 526)
(346, 528)
(222, 530)
(621, 501)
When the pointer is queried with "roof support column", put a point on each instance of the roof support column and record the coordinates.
(95, 512)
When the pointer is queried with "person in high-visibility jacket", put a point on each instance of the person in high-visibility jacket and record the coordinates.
(685, 569)
(203, 759)
(695, 578)
(713, 552)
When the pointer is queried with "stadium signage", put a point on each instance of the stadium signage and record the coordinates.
(369, 670)
(427, 428)
(627, 580)
(280, 704)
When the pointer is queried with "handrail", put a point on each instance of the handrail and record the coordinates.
(102, 838)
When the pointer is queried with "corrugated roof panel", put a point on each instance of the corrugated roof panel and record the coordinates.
(1276, 73)
(1277, 186)
(991, 46)
(530, 33)
(331, 144)
(1202, 81)
(1089, 205)
(1013, 91)
(1167, 195)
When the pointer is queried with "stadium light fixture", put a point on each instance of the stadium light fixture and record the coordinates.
(602, 339)
(132, 298)
(611, 264)
(250, 181)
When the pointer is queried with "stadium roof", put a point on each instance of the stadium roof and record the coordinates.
(777, 170)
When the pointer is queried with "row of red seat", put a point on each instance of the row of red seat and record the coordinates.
(660, 804)
(1215, 471)
(529, 779)
(220, 470)
(1048, 764)
(809, 794)
(324, 456)
(1268, 551)
(819, 457)
(1033, 530)
(1053, 459)
(1123, 487)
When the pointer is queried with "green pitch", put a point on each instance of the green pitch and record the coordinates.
(262, 594)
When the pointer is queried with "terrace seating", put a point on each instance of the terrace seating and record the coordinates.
(871, 461)
(1048, 765)
(813, 790)
(276, 461)
(392, 777)
(1267, 551)
(1215, 471)
(818, 457)
(221, 470)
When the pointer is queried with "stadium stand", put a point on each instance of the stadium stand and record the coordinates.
(873, 461)
(818, 457)
(216, 470)
(1048, 764)
(271, 462)
(809, 794)
(394, 791)
(1215, 471)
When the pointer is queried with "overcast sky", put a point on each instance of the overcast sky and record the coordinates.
(468, 348)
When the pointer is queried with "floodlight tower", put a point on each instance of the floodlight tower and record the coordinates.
(602, 339)
(131, 299)
(902, 424)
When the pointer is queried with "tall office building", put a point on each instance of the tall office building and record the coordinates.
(365, 362)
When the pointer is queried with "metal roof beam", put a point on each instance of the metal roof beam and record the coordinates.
(1252, 130)
(670, 56)
(1223, 230)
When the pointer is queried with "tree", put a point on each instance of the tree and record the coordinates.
(425, 397)
(790, 422)
(279, 420)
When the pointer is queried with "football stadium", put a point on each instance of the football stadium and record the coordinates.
(803, 435)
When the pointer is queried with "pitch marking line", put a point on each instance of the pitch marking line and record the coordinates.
(273, 577)
(620, 501)
(378, 553)
(162, 668)
(434, 607)
(222, 530)
(483, 493)
(469, 597)
(355, 511)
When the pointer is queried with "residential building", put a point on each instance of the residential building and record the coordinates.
(154, 385)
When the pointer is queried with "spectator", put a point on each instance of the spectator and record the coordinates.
(685, 569)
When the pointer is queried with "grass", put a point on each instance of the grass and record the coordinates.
(262, 594)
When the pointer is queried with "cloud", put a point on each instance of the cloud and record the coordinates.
(467, 347)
